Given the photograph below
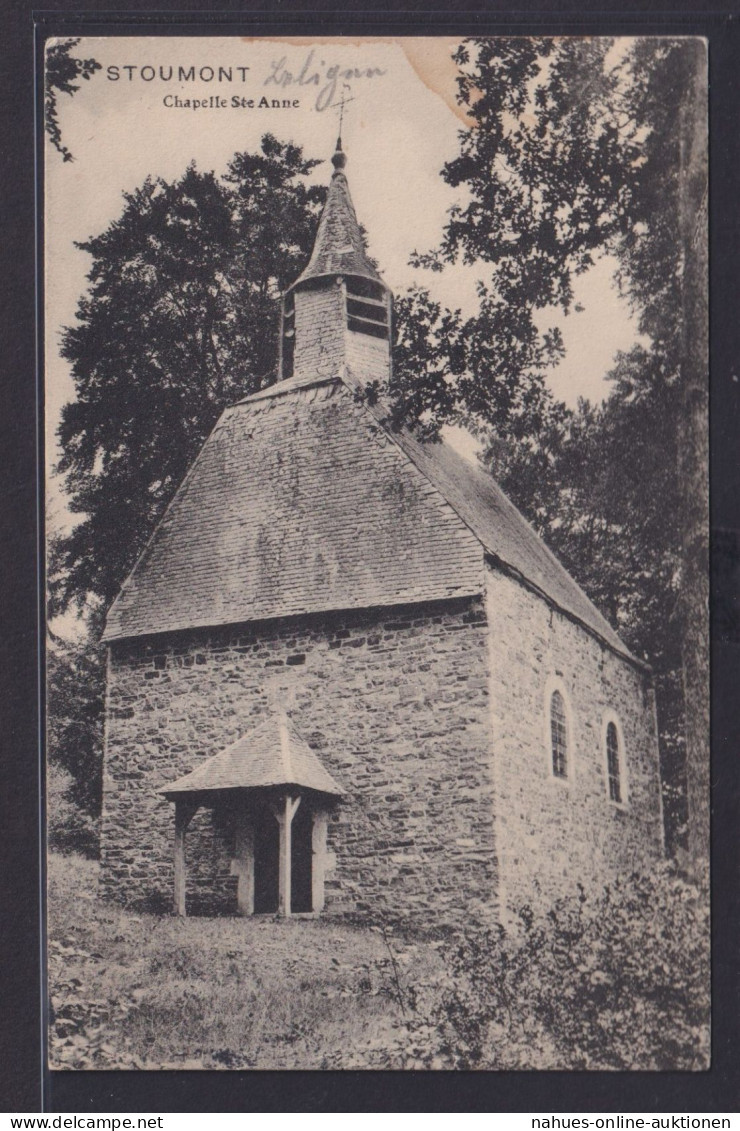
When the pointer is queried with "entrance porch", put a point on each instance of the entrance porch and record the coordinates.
(278, 798)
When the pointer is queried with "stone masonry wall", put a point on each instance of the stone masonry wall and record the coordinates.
(395, 702)
(552, 834)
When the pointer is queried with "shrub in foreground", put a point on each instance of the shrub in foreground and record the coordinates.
(618, 980)
(69, 827)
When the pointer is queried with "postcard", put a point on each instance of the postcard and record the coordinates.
(377, 524)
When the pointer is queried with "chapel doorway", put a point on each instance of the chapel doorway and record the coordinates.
(266, 862)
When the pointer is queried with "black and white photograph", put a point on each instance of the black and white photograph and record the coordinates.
(377, 523)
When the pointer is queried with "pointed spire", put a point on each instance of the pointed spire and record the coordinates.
(338, 249)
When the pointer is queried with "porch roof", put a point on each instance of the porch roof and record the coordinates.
(273, 754)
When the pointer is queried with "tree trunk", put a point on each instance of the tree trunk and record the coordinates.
(693, 458)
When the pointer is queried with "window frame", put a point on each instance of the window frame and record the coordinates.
(553, 684)
(610, 718)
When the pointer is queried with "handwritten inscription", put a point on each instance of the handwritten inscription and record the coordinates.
(325, 79)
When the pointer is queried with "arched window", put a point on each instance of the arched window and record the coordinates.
(613, 764)
(558, 735)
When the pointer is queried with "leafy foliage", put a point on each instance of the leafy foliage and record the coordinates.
(582, 148)
(69, 828)
(620, 981)
(484, 371)
(576, 152)
(181, 320)
(75, 708)
(62, 69)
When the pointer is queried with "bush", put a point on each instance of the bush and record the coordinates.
(620, 981)
(75, 709)
(68, 827)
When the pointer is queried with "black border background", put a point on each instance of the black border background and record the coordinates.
(21, 1073)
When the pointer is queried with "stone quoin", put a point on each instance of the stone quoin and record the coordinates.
(346, 677)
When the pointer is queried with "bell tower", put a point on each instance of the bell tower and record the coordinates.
(338, 312)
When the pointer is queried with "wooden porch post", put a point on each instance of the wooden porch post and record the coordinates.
(284, 815)
(184, 813)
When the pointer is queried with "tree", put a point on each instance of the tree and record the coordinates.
(180, 320)
(75, 709)
(62, 69)
(582, 148)
(447, 369)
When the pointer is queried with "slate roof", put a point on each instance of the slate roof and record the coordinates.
(338, 249)
(503, 531)
(273, 754)
(296, 504)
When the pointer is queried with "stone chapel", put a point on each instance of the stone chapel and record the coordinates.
(346, 675)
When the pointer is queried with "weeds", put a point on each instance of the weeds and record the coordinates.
(133, 991)
(619, 981)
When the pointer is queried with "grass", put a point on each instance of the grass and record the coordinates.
(131, 990)
(143, 991)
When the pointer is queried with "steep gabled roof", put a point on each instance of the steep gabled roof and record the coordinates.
(298, 504)
(273, 754)
(338, 249)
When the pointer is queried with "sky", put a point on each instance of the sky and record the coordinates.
(401, 124)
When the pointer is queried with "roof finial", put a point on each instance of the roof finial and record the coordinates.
(339, 159)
